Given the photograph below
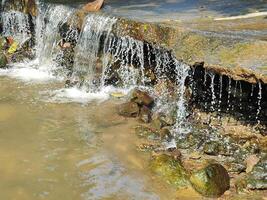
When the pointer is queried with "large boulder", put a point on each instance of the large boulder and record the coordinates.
(171, 170)
(3, 60)
(211, 181)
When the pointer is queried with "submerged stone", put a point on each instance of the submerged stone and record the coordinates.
(129, 109)
(211, 181)
(170, 170)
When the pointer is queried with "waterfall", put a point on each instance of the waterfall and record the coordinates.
(96, 28)
(47, 32)
(130, 54)
(16, 24)
(181, 125)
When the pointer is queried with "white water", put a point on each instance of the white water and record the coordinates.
(213, 96)
(47, 28)
(259, 101)
(88, 47)
(181, 127)
(16, 24)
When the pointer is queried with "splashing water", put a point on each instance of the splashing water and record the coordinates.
(47, 32)
(16, 24)
(259, 101)
(181, 126)
(213, 96)
(87, 50)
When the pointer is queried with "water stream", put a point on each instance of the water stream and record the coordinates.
(68, 143)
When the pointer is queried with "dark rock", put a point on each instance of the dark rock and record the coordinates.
(170, 170)
(129, 109)
(211, 181)
(145, 114)
(257, 178)
(165, 133)
(211, 148)
(157, 123)
(142, 98)
(3, 60)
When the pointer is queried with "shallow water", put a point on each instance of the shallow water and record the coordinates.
(52, 150)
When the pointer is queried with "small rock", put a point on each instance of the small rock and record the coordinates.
(211, 181)
(66, 45)
(129, 109)
(157, 123)
(145, 114)
(142, 98)
(211, 148)
(165, 133)
(195, 156)
(251, 161)
(176, 154)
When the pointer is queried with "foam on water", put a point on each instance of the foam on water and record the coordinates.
(28, 73)
(78, 95)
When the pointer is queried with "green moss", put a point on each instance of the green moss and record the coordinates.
(170, 170)
(211, 181)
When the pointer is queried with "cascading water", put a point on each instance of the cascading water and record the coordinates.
(47, 32)
(16, 24)
(95, 28)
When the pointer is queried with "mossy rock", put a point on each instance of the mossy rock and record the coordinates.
(145, 132)
(3, 60)
(211, 181)
(257, 178)
(170, 170)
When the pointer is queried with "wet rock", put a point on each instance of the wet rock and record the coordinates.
(240, 183)
(93, 6)
(168, 119)
(257, 178)
(251, 161)
(145, 114)
(66, 58)
(25, 6)
(165, 133)
(176, 154)
(170, 170)
(211, 181)
(129, 109)
(142, 98)
(145, 132)
(157, 123)
(212, 148)
(3, 60)
(236, 167)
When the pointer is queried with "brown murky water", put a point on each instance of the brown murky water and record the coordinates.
(51, 150)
